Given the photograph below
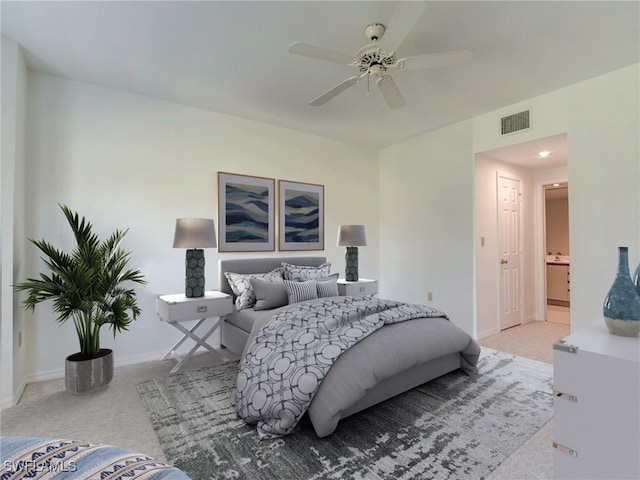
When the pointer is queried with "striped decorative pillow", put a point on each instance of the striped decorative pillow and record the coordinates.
(301, 291)
(328, 287)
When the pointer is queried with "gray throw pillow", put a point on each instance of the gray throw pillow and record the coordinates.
(240, 284)
(271, 294)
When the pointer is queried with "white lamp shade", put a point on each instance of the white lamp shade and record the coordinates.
(194, 233)
(351, 236)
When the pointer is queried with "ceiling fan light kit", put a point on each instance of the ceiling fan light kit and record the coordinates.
(375, 58)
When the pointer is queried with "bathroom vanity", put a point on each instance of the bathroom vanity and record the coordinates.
(558, 280)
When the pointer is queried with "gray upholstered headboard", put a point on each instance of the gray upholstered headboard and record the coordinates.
(259, 265)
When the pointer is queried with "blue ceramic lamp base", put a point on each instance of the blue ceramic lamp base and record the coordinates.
(194, 273)
(351, 258)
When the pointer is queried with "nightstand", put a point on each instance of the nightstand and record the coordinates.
(177, 308)
(362, 286)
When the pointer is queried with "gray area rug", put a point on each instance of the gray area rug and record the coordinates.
(454, 427)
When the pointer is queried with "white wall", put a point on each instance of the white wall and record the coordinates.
(426, 222)
(12, 171)
(604, 185)
(487, 256)
(602, 118)
(426, 197)
(128, 161)
(557, 225)
(549, 117)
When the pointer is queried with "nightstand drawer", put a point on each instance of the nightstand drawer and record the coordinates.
(177, 308)
(362, 286)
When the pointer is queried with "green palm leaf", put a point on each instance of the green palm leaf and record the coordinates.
(86, 284)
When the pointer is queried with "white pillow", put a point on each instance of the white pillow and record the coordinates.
(240, 284)
(303, 272)
(301, 291)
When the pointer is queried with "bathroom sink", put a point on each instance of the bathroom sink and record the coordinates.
(558, 259)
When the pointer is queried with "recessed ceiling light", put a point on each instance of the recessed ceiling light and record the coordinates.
(544, 154)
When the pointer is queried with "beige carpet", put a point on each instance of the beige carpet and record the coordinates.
(115, 415)
(532, 340)
(534, 459)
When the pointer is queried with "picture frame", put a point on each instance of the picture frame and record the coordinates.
(246, 213)
(301, 216)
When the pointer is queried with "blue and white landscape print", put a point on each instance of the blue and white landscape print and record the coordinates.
(247, 213)
(302, 215)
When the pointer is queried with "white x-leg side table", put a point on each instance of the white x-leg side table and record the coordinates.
(177, 308)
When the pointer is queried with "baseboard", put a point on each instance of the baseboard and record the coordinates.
(488, 333)
(495, 330)
(11, 401)
(130, 360)
(57, 373)
(532, 319)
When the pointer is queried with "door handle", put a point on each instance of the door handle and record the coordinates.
(503, 261)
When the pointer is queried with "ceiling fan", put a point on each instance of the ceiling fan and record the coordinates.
(375, 58)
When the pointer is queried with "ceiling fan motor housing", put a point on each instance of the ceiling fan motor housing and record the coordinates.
(371, 55)
(374, 31)
(370, 59)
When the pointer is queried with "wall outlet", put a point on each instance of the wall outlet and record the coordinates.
(430, 296)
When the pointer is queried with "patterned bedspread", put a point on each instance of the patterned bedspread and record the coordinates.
(58, 459)
(293, 351)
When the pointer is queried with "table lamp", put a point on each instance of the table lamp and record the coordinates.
(194, 234)
(352, 237)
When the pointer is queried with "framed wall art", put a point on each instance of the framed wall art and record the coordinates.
(246, 213)
(301, 220)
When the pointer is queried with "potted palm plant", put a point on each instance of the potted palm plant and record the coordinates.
(86, 285)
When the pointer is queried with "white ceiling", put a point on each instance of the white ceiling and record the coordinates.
(231, 57)
(527, 154)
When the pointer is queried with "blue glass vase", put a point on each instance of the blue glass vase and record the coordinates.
(621, 307)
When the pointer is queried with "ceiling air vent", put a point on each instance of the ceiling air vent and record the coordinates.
(516, 122)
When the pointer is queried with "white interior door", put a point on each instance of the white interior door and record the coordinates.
(510, 250)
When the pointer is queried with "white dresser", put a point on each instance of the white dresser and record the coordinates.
(596, 408)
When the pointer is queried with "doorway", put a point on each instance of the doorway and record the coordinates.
(557, 254)
(536, 168)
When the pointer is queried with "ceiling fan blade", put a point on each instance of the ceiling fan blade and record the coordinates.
(444, 59)
(341, 87)
(390, 92)
(320, 53)
(401, 23)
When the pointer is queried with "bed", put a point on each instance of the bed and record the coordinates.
(393, 359)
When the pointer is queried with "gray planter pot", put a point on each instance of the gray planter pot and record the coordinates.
(83, 376)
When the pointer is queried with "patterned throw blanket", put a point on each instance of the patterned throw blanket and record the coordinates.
(60, 459)
(293, 351)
